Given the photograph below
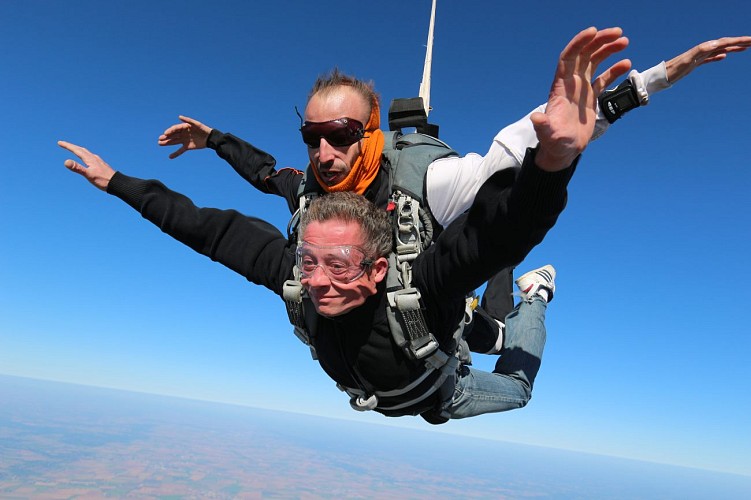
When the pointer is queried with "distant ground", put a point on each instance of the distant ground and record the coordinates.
(67, 441)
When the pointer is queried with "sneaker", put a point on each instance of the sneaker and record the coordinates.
(530, 283)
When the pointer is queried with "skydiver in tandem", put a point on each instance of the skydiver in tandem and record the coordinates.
(398, 350)
(449, 182)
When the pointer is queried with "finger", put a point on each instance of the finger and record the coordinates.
(610, 75)
(169, 141)
(723, 45)
(67, 145)
(718, 57)
(743, 41)
(607, 50)
(567, 62)
(75, 167)
(600, 49)
(737, 48)
(178, 153)
(76, 150)
(605, 36)
(581, 40)
(541, 123)
(190, 121)
(174, 129)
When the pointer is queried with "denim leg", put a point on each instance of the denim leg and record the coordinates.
(509, 386)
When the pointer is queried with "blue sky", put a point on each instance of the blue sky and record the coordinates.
(648, 347)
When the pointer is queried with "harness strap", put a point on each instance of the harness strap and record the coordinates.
(292, 293)
(407, 323)
(407, 244)
(362, 401)
(406, 318)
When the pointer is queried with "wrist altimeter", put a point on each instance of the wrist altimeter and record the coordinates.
(614, 103)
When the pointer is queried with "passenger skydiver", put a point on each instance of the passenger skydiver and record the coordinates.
(344, 257)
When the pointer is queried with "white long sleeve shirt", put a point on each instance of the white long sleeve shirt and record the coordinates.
(452, 183)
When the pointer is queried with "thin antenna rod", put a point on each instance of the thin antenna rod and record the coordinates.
(425, 83)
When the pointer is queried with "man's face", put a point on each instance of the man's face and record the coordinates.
(332, 297)
(334, 163)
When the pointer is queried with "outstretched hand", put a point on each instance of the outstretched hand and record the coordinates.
(566, 126)
(190, 134)
(707, 52)
(95, 170)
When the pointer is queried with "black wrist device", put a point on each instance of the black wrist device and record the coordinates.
(614, 103)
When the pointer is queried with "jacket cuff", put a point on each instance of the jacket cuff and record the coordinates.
(542, 188)
(129, 189)
(215, 139)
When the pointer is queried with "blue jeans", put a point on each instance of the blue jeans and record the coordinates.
(509, 386)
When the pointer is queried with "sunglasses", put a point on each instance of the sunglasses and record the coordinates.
(342, 263)
(339, 133)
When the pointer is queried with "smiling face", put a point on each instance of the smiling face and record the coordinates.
(333, 298)
(334, 163)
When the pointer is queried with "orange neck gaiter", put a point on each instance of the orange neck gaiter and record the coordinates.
(367, 163)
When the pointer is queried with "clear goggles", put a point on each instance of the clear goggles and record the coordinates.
(341, 263)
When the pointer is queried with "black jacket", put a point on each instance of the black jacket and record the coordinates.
(508, 218)
(258, 168)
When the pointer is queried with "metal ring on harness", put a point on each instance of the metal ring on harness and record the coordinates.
(360, 404)
(293, 224)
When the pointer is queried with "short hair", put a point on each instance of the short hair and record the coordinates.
(352, 207)
(335, 78)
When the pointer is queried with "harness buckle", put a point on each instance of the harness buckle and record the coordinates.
(361, 404)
